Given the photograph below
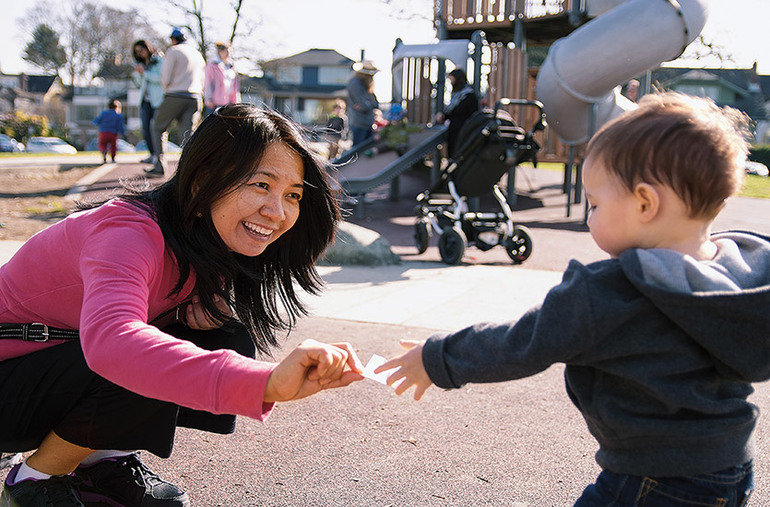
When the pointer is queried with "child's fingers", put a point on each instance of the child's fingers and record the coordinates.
(388, 365)
(419, 390)
(408, 344)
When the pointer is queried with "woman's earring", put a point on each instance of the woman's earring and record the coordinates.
(199, 214)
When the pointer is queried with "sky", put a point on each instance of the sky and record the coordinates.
(292, 26)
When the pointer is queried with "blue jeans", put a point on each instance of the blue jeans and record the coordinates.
(146, 113)
(361, 134)
(727, 488)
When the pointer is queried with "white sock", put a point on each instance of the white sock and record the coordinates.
(103, 454)
(27, 472)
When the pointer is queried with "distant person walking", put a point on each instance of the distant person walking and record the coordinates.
(148, 66)
(182, 81)
(361, 101)
(111, 125)
(462, 104)
(221, 86)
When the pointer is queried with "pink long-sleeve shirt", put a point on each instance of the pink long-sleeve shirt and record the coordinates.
(107, 272)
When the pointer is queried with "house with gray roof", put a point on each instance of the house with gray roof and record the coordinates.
(303, 86)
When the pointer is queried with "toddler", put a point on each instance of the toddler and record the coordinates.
(661, 342)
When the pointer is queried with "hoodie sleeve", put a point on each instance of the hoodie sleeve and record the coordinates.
(558, 331)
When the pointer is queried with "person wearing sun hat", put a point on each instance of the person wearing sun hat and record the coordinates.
(361, 100)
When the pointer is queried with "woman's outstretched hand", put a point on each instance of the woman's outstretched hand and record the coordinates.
(311, 367)
(410, 370)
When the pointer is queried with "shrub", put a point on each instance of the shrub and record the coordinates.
(21, 126)
(760, 153)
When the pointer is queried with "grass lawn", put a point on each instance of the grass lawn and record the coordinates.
(756, 186)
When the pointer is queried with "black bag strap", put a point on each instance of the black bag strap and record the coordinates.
(36, 332)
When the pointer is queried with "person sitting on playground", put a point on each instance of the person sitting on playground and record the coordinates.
(462, 105)
(394, 133)
(662, 341)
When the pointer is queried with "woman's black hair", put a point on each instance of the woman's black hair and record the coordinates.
(146, 45)
(221, 155)
(460, 79)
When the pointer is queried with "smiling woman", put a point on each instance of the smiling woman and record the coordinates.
(256, 214)
(155, 310)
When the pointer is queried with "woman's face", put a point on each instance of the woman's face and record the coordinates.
(142, 52)
(224, 54)
(258, 212)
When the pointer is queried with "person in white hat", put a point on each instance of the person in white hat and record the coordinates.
(361, 101)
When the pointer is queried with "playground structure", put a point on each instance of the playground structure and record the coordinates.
(593, 47)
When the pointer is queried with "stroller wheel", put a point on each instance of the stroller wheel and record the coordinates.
(519, 246)
(421, 235)
(451, 245)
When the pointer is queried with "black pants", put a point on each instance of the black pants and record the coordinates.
(53, 389)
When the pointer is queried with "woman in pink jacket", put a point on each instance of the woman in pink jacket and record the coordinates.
(118, 324)
(221, 83)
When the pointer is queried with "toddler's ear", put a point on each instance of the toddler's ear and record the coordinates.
(648, 201)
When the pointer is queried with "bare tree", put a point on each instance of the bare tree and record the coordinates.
(706, 49)
(90, 32)
(237, 7)
(410, 9)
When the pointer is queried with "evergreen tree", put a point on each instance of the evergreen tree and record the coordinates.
(44, 50)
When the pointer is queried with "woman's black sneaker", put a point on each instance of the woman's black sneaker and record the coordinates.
(58, 491)
(126, 481)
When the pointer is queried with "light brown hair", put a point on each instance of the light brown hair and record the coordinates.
(686, 143)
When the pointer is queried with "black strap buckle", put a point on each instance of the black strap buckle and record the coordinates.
(35, 328)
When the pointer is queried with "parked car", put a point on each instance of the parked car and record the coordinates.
(757, 168)
(49, 145)
(170, 147)
(123, 145)
(8, 143)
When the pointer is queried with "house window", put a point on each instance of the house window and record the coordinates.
(300, 104)
(288, 75)
(282, 105)
(86, 113)
(333, 75)
(700, 90)
(310, 75)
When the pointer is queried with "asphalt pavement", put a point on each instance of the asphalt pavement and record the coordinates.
(513, 444)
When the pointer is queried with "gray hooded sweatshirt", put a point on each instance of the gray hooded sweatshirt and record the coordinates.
(660, 352)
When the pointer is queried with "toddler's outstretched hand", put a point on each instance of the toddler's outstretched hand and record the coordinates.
(311, 367)
(410, 369)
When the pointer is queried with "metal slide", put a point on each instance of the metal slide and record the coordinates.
(579, 80)
(359, 174)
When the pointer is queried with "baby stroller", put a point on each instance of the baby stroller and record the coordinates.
(491, 144)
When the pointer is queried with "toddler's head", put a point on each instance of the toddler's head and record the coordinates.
(686, 143)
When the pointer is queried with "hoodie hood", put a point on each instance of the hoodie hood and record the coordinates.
(722, 303)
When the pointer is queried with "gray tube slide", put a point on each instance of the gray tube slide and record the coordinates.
(587, 66)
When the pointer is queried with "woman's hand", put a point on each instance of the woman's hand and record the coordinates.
(310, 368)
(196, 318)
(410, 369)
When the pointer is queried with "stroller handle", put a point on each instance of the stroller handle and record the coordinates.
(541, 122)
